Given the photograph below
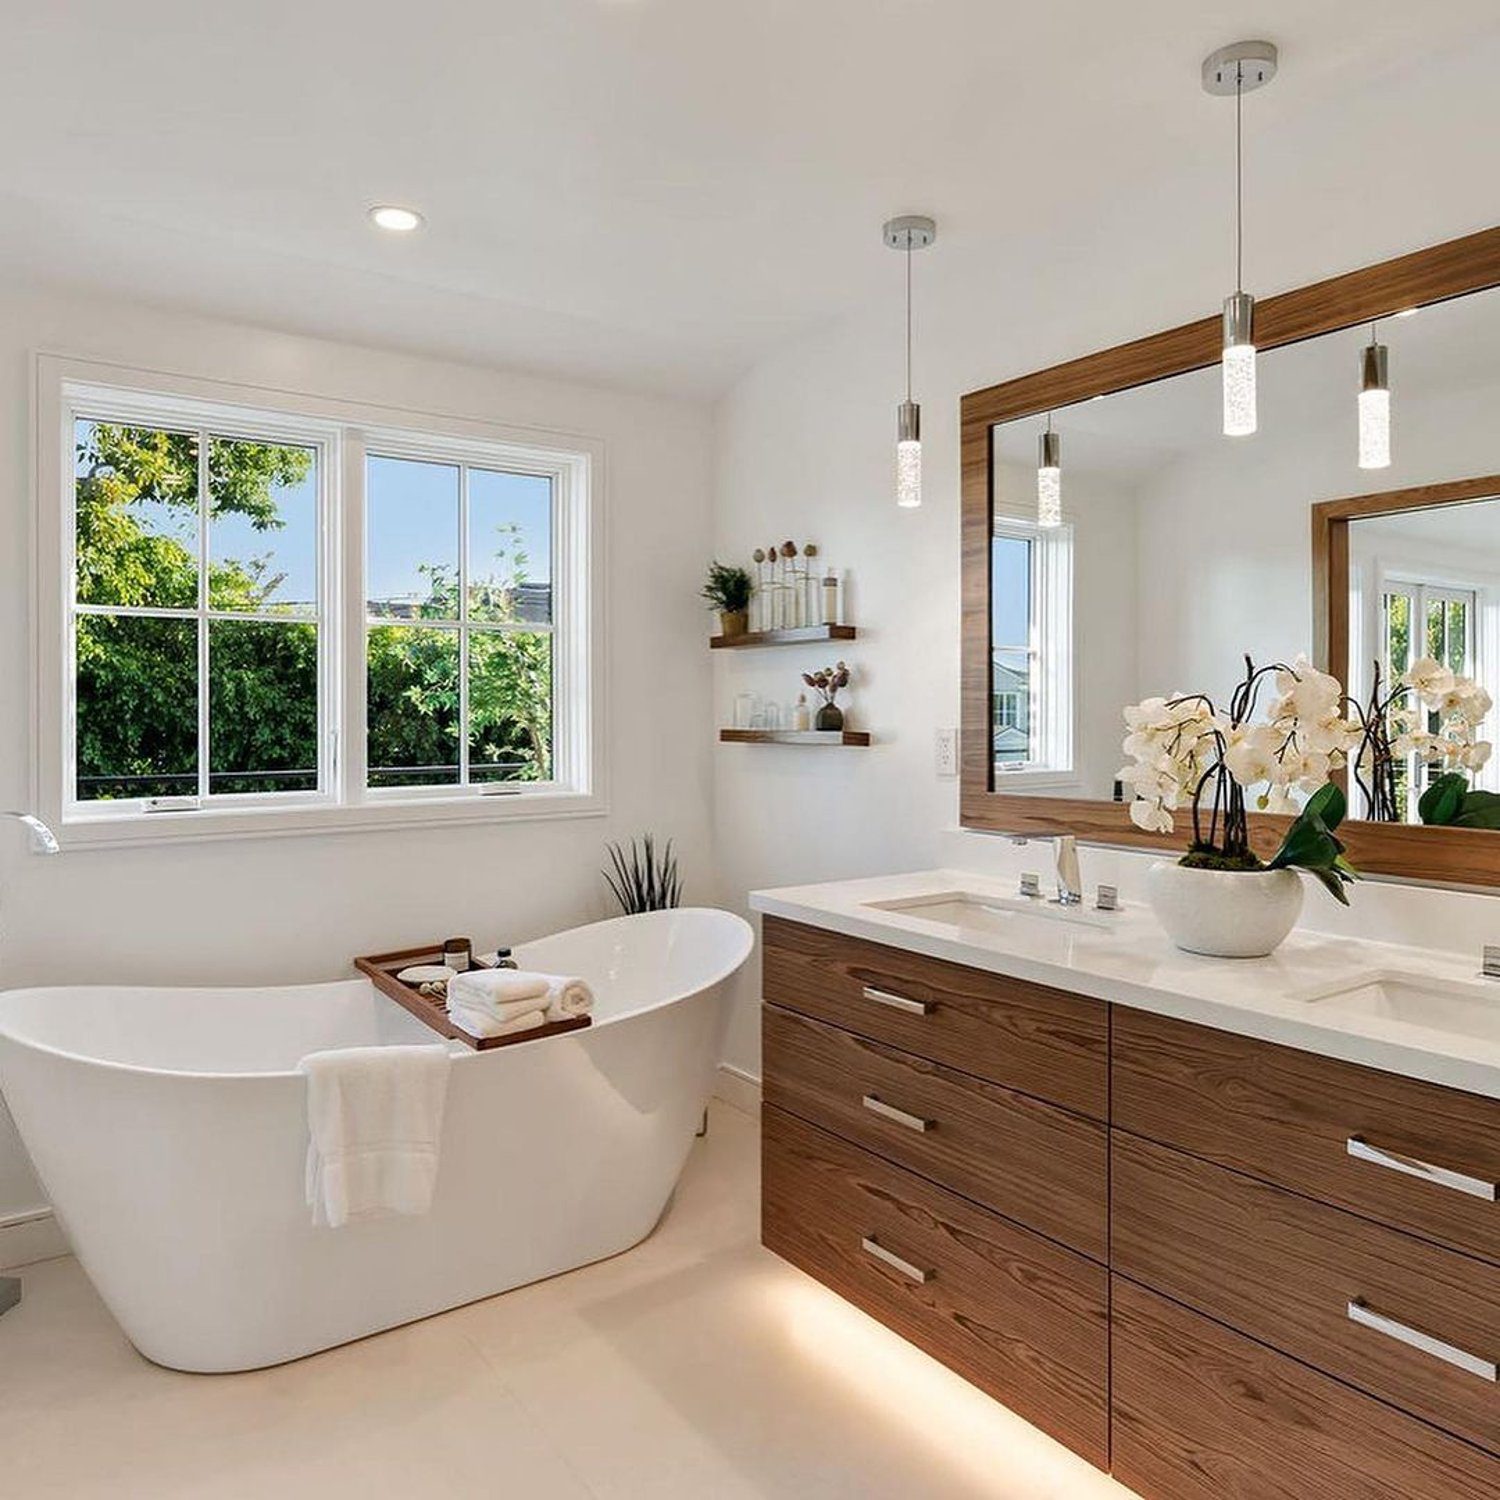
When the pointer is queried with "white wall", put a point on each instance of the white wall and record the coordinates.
(806, 442)
(297, 909)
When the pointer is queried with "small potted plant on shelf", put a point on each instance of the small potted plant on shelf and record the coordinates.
(1220, 898)
(828, 683)
(728, 589)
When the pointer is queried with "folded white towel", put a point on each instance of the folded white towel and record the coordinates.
(484, 1023)
(568, 997)
(487, 989)
(375, 1124)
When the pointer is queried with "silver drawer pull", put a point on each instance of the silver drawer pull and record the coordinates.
(1451, 1354)
(871, 1246)
(1460, 1182)
(898, 1002)
(896, 1116)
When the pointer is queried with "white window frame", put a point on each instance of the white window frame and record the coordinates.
(344, 431)
(1050, 648)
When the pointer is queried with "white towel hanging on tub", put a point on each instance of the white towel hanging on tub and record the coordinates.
(375, 1123)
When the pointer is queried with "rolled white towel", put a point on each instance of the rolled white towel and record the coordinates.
(483, 1023)
(568, 997)
(492, 989)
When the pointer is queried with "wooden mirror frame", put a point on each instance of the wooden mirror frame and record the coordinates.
(1455, 269)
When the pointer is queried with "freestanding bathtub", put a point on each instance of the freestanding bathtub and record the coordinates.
(169, 1129)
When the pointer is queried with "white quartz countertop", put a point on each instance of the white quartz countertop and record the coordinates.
(1125, 957)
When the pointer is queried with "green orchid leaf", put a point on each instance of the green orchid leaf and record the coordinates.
(1479, 810)
(1443, 801)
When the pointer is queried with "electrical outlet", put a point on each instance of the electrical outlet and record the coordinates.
(945, 747)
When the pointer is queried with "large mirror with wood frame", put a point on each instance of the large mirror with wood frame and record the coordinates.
(1118, 548)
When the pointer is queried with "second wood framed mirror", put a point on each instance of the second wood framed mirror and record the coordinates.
(1180, 551)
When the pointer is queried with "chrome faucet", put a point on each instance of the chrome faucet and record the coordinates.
(43, 840)
(1069, 881)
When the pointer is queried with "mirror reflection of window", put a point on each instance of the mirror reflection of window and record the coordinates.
(1426, 583)
(1031, 661)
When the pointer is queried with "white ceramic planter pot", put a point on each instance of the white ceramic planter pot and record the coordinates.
(1225, 913)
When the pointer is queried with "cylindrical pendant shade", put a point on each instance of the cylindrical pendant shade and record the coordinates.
(1374, 408)
(909, 455)
(1049, 479)
(1239, 365)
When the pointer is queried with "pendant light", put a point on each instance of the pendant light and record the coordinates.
(1374, 405)
(1049, 477)
(908, 233)
(1235, 70)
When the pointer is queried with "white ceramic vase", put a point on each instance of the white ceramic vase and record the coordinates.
(1225, 913)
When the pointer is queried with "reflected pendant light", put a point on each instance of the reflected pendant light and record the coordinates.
(1049, 477)
(908, 233)
(1236, 70)
(1374, 405)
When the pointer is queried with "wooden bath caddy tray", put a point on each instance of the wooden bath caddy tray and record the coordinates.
(381, 969)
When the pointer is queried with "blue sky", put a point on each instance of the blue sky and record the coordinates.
(412, 519)
(1010, 594)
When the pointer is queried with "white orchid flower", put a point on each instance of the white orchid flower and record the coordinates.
(1430, 679)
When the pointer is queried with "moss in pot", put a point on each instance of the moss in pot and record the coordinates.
(1220, 899)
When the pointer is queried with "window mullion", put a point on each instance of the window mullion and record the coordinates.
(204, 728)
(463, 625)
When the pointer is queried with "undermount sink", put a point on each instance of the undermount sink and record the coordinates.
(1466, 1007)
(971, 912)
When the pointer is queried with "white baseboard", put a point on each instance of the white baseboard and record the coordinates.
(29, 1237)
(738, 1089)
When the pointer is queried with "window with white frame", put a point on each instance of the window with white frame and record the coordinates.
(1031, 653)
(198, 618)
(1420, 617)
(459, 631)
(284, 612)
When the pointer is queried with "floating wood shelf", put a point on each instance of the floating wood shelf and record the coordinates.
(782, 637)
(794, 737)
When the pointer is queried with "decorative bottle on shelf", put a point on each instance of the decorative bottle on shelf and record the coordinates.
(812, 586)
(801, 715)
(830, 610)
(789, 575)
(758, 595)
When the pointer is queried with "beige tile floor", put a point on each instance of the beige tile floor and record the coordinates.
(696, 1365)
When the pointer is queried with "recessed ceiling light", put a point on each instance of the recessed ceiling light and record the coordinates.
(1408, 312)
(397, 220)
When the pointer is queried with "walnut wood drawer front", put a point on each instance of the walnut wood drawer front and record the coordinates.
(1202, 1413)
(1403, 1319)
(1020, 1317)
(1409, 1154)
(1041, 1041)
(1035, 1163)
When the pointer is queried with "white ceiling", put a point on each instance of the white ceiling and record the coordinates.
(651, 192)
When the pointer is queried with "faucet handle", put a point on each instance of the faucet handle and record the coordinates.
(1108, 898)
(1492, 961)
(1031, 884)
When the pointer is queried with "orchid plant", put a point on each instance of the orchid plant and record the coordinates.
(1185, 752)
(1433, 715)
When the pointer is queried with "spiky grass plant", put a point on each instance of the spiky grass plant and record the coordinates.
(644, 878)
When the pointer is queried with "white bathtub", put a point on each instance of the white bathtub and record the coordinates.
(169, 1129)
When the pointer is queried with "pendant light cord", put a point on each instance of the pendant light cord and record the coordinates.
(1239, 179)
(908, 315)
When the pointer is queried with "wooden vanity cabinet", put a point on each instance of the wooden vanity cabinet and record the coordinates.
(1218, 1266)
